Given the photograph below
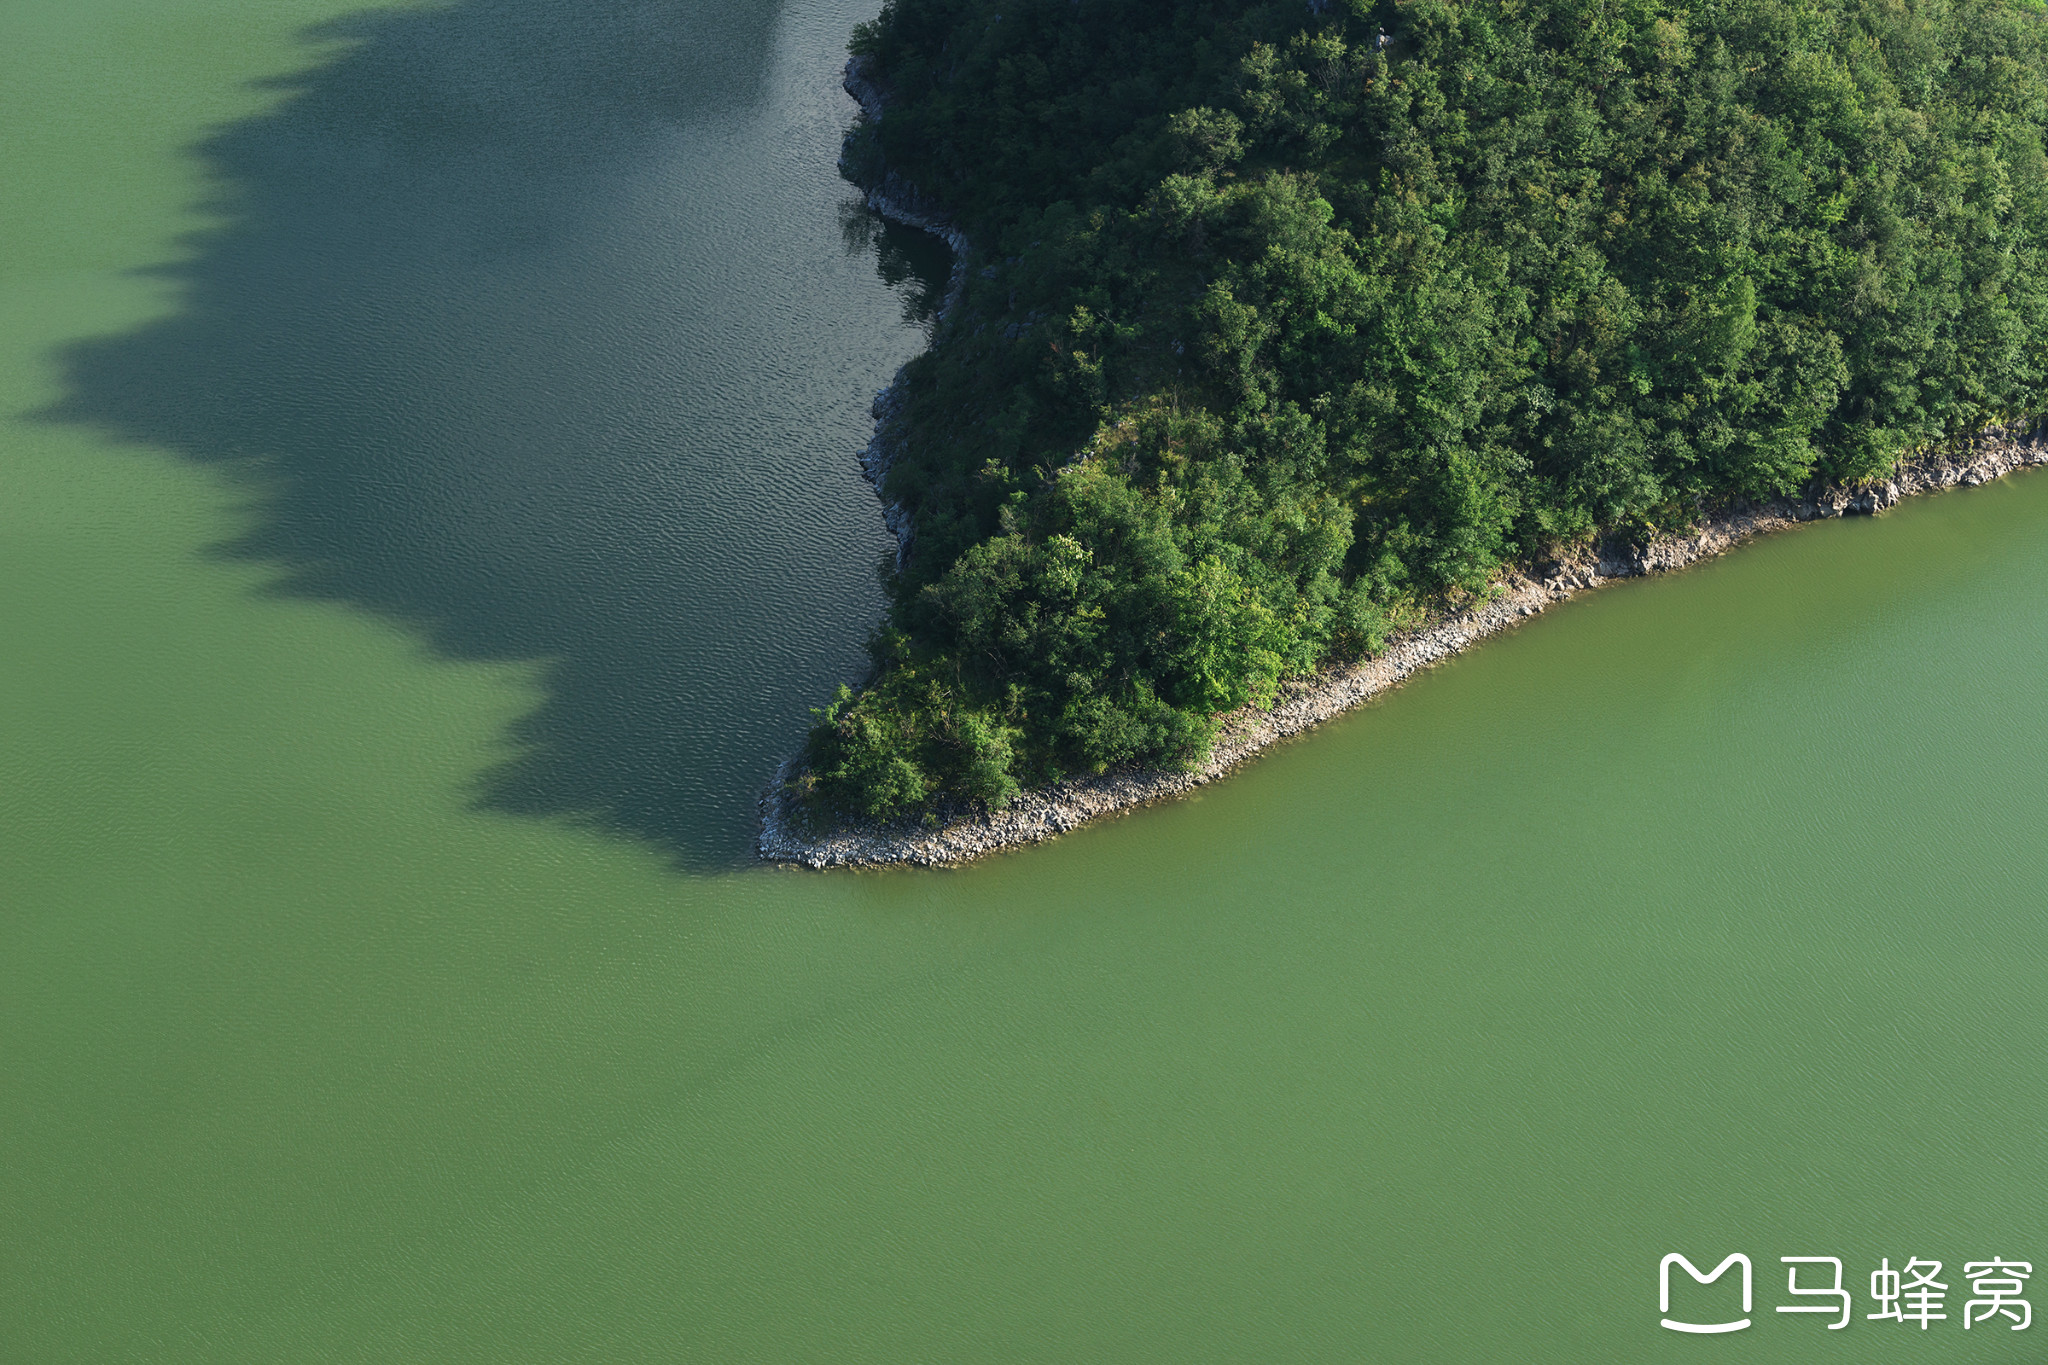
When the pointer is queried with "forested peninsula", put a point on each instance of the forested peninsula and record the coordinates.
(1288, 329)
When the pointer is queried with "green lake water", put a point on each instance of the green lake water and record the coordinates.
(427, 504)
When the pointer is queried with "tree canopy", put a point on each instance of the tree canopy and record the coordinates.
(1293, 323)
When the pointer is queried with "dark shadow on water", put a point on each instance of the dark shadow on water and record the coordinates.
(426, 339)
(916, 262)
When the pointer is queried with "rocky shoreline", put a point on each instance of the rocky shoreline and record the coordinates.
(899, 201)
(1308, 702)
(1303, 702)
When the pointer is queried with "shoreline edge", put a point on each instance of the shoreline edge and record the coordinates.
(1303, 703)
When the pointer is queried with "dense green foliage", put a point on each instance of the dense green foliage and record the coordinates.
(1288, 325)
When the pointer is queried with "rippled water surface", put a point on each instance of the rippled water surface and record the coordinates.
(427, 505)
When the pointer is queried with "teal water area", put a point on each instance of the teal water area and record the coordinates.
(426, 506)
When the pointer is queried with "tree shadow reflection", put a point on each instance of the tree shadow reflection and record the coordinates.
(477, 334)
(916, 262)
